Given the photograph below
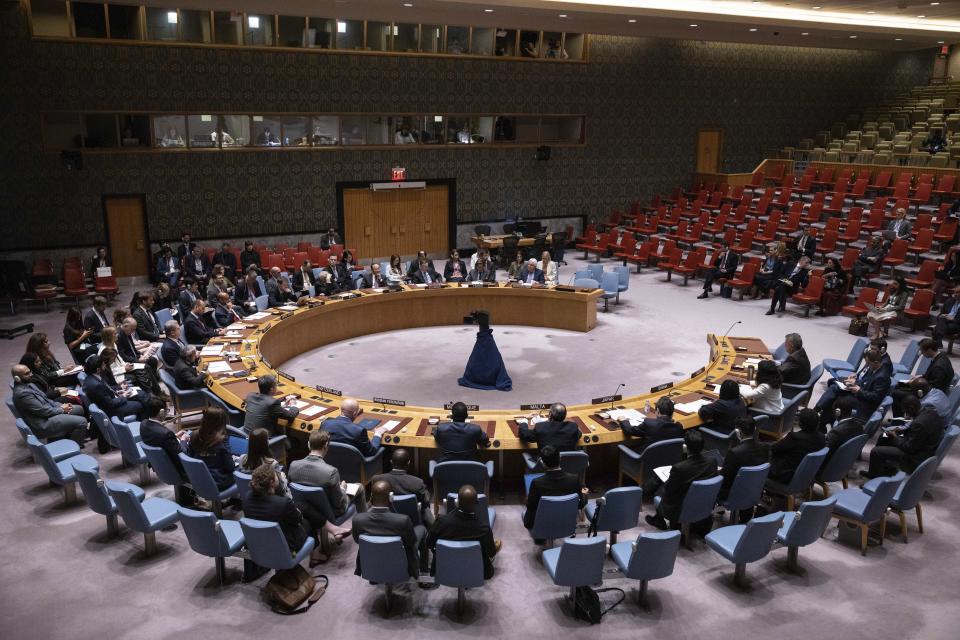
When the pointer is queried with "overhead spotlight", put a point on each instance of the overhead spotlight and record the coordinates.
(805, 33)
(632, 20)
(852, 37)
(694, 25)
(408, 4)
(563, 15)
(752, 29)
(921, 16)
(488, 10)
(816, 6)
(898, 39)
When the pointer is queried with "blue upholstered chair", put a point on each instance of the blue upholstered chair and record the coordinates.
(596, 270)
(619, 510)
(317, 497)
(576, 563)
(556, 518)
(872, 424)
(12, 407)
(949, 437)
(58, 449)
(791, 390)
(448, 477)
(839, 464)
(649, 557)
(459, 564)
(909, 492)
(623, 279)
(784, 420)
(61, 473)
(861, 509)
(211, 537)
(242, 480)
(408, 506)
(780, 353)
(697, 505)
(383, 561)
(130, 449)
(575, 462)
(610, 283)
(262, 302)
(183, 399)
(747, 489)
(852, 361)
(203, 484)
(640, 466)
(802, 478)
(146, 517)
(164, 316)
(95, 492)
(234, 416)
(485, 513)
(586, 283)
(351, 464)
(745, 543)
(804, 527)
(909, 358)
(268, 547)
(163, 466)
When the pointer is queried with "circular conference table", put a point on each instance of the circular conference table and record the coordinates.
(261, 343)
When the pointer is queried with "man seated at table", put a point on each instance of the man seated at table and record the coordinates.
(721, 415)
(556, 431)
(246, 292)
(530, 274)
(415, 263)
(554, 482)
(335, 277)
(459, 439)
(660, 427)
(264, 411)
(378, 520)
(154, 433)
(375, 279)
(749, 452)
(303, 279)
(483, 271)
(196, 327)
(185, 372)
(148, 327)
(403, 483)
(920, 436)
(189, 295)
(224, 314)
(795, 369)
(315, 471)
(463, 524)
(695, 466)
(425, 274)
(343, 429)
(227, 260)
(112, 400)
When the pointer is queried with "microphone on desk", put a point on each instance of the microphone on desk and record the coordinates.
(731, 328)
(613, 397)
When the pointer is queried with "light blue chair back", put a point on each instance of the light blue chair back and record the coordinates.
(459, 564)
(623, 277)
(949, 437)
(806, 525)
(205, 533)
(485, 513)
(586, 283)
(954, 399)
(234, 416)
(268, 547)
(757, 538)
(162, 465)
(842, 459)
(909, 358)
(806, 471)
(856, 352)
(575, 462)
(882, 496)
(383, 560)
(315, 496)
(923, 365)
(700, 500)
(202, 481)
(125, 495)
(747, 488)
(910, 491)
(610, 283)
(621, 509)
(654, 555)
(661, 454)
(95, 492)
(242, 480)
(163, 317)
(12, 407)
(448, 477)
(780, 353)
(24, 429)
(556, 517)
(596, 271)
(408, 506)
(580, 562)
(871, 425)
(351, 464)
(582, 273)
(104, 424)
(129, 446)
(62, 472)
(262, 302)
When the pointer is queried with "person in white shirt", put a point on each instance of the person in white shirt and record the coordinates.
(172, 139)
(549, 268)
(765, 396)
(404, 136)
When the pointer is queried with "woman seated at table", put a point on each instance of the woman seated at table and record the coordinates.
(455, 270)
(765, 396)
(395, 272)
(517, 267)
(210, 445)
(881, 317)
(348, 261)
(549, 268)
(835, 281)
(723, 414)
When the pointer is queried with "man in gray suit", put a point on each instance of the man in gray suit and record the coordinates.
(380, 521)
(314, 471)
(899, 228)
(148, 327)
(47, 418)
(263, 410)
(272, 284)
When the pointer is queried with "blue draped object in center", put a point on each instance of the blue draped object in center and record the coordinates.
(485, 368)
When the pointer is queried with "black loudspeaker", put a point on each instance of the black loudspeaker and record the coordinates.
(543, 153)
(72, 160)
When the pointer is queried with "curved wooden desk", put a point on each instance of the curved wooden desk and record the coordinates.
(263, 348)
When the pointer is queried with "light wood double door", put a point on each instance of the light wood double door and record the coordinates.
(403, 221)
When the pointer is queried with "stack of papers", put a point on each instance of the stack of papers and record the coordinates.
(313, 411)
(389, 424)
(237, 326)
(219, 366)
(137, 366)
(260, 315)
(233, 334)
(752, 362)
(288, 307)
(691, 407)
(632, 415)
(211, 350)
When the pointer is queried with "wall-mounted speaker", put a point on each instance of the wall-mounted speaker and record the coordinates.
(72, 160)
(543, 153)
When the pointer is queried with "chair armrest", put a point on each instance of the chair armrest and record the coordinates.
(630, 453)
(276, 440)
(129, 419)
(531, 460)
(373, 458)
(717, 434)
(489, 465)
(239, 433)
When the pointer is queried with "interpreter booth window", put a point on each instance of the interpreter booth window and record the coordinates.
(573, 45)
(458, 40)
(552, 47)
(530, 44)
(379, 35)
(134, 131)
(406, 37)
(195, 26)
(321, 33)
(431, 38)
(265, 131)
(561, 129)
(62, 131)
(350, 34)
(433, 131)
(504, 129)
(353, 130)
(49, 18)
(89, 20)
(406, 129)
(481, 41)
(292, 31)
(506, 43)
(203, 131)
(368, 130)
(259, 30)
(170, 132)
(466, 130)
(527, 129)
(100, 130)
(326, 131)
(296, 131)
(124, 22)
(228, 27)
(234, 131)
(162, 24)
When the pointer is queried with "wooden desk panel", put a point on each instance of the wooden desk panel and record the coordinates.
(496, 242)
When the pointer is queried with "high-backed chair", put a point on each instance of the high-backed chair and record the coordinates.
(130, 449)
(99, 500)
(448, 477)
(610, 283)
(235, 417)
(203, 484)
(351, 464)
(383, 561)
(804, 527)
(852, 361)
(485, 513)
(791, 390)
(242, 480)
(839, 464)
(163, 466)
(649, 557)
(459, 564)
(58, 449)
(746, 491)
(62, 473)
(317, 497)
(619, 510)
(576, 563)
(640, 466)
(909, 358)
(745, 543)
(408, 506)
(802, 478)
(783, 421)
(268, 547)
(145, 517)
(212, 537)
(697, 505)
(183, 399)
(908, 493)
(103, 424)
(949, 437)
(575, 462)
(556, 518)
(861, 509)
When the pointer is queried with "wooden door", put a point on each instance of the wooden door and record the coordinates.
(126, 232)
(709, 150)
(403, 221)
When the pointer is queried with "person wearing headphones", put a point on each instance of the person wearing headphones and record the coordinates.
(47, 418)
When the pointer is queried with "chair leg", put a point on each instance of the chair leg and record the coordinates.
(844, 481)
(70, 493)
(221, 564)
(863, 538)
(461, 600)
(792, 555)
(613, 537)
(388, 596)
(113, 526)
(790, 502)
(903, 525)
(740, 574)
(150, 543)
(642, 592)
(144, 474)
(685, 536)
(919, 518)
(883, 527)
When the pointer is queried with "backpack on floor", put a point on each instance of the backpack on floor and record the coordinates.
(586, 603)
(293, 591)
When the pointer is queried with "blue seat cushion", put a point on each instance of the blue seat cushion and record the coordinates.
(160, 512)
(233, 534)
(349, 513)
(590, 509)
(66, 467)
(870, 487)
(63, 449)
(551, 558)
(621, 553)
(833, 364)
(724, 540)
(851, 503)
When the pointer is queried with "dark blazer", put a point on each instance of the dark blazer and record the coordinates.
(458, 525)
(415, 266)
(279, 509)
(459, 441)
(301, 281)
(340, 277)
(154, 434)
(185, 249)
(341, 429)
(940, 372)
(652, 430)
(796, 368)
(92, 321)
(186, 375)
(404, 484)
(682, 475)
(219, 461)
(379, 521)
(787, 452)
(196, 330)
(185, 302)
(224, 317)
(190, 267)
(262, 412)
(103, 395)
(805, 246)
(448, 269)
(229, 262)
(722, 415)
(240, 296)
(732, 262)
(487, 275)
(126, 348)
(800, 279)
(248, 258)
(368, 282)
(97, 263)
(563, 435)
(749, 453)
(417, 277)
(921, 439)
(327, 240)
(840, 433)
(874, 387)
(555, 482)
(537, 276)
(148, 327)
(170, 351)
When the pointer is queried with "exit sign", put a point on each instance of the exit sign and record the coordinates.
(398, 173)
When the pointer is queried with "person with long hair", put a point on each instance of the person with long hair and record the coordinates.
(50, 368)
(210, 445)
(76, 336)
(549, 268)
(258, 453)
(765, 396)
(395, 272)
(32, 362)
(880, 317)
(455, 270)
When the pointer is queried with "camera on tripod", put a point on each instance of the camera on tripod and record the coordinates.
(478, 317)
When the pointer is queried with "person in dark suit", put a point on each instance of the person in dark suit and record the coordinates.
(344, 429)
(425, 274)
(172, 343)
(459, 440)
(788, 451)
(303, 279)
(189, 295)
(148, 327)
(556, 430)
(167, 266)
(723, 414)
(46, 417)
(250, 257)
(403, 483)
(196, 330)
(948, 321)
(375, 279)
(223, 313)
(113, 401)
(330, 238)
(660, 427)
(483, 271)
(314, 471)
(196, 266)
(845, 425)
(724, 267)
(868, 387)
(264, 411)
(939, 375)
(335, 277)
(210, 445)
(100, 261)
(806, 244)
(771, 270)
(226, 258)
(415, 263)
(554, 482)
(95, 319)
(155, 434)
(378, 520)
(455, 270)
(749, 453)
(463, 524)
(793, 279)
(530, 274)
(695, 466)
(919, 441)
(263, 503)
(246, 292)
(795, 369)
(185, 372)
(187, 245)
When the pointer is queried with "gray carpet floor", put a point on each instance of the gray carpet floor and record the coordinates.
(61, 577)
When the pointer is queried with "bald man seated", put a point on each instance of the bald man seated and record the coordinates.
(463, 524)
(380, 521)
(403, 483)
(344, 429)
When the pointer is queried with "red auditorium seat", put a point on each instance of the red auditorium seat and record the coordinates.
(858, 309)
(743, 280)
(810, 295)
(896, 256)
(925, 276)
(919, 308)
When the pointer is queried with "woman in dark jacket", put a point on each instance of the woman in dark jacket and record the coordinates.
(789, 451)
(210, 445)
(723, 414)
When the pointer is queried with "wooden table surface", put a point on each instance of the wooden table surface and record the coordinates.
(496, 242)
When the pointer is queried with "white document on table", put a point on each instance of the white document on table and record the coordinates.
(386, 426)
(691, 407)
(237, 326)
(632, 415)
(220, 366)
(137, 366)
(313, 411)
(288, 307)
(258, 316)
(211, 350)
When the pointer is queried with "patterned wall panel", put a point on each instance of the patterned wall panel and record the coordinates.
(644, 99)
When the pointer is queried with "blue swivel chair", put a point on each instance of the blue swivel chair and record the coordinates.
(448, 477)
(596, 270)
(783, 421)
(586, 283)
(871, 426)
(262, 302)
(650, 557)
(164, 467)
(211, 537)
(745, 543)
(12, 407)
(99, 501)
(459, 564)
(268, 546)
(146, 517)
(104, 425)
(164, 316)
(747, 490)
(780, 353)
(909, 493)
(408, 506)
(790, 390)
(861, 509)
(576, 563)
(697, 505)
(485, 513)
(804, 527)
(242, 480)
(623, 280)
(852, 362)
(909, 358)
(234, 416)
(183, 399)
(575, 462)
(202, 482)
(556, 518)
(62, 473)
(610, 283)
(640, 466)
(383, 561)
(58, 449)
(317, 497)
(351, 464)
(949, 437)
(130, 449)
(802, 478)
(619, 510)
(836, 468)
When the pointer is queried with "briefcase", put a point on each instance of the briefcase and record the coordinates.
(858, 327)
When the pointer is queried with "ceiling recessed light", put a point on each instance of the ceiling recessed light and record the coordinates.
(805, 33)
(921, 16)
(694, 25)
(853, 36)
(939, 41)
(563, 15)
(934, 4)
(408, 4)
(898, 39)
(488, 10)
(871, 12)
(816, 6)
(753, 28)
(632, 20)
